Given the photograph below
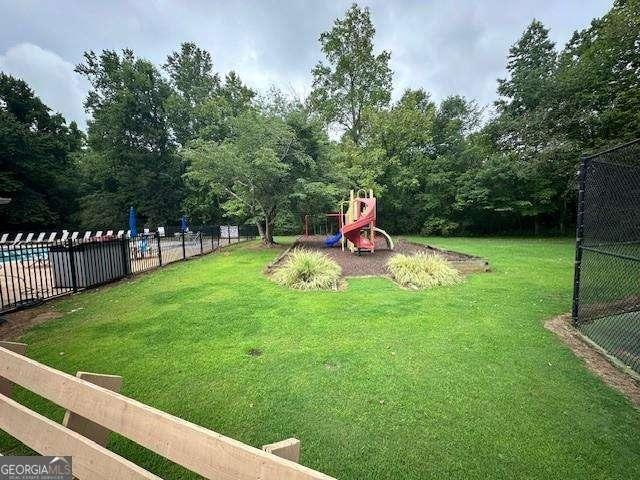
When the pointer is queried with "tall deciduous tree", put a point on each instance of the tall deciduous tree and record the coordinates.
(131, 158)
(598, 80)
(194, 82)
(36, 169)
(354, 78)
(272, 164)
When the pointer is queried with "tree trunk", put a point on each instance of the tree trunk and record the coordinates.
(260, 229)
(268, 232)
(536, 225)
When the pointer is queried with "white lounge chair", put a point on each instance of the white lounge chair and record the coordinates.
(28, 239)
(65, 235)
(146, 231)
(52, 237)
(128, 233)
(99, 233)
(17, 239)
(109, 233)
(161, 231)
(4, 238)
(40, 237)
(87, 235)
(74, 235)
(120, 233)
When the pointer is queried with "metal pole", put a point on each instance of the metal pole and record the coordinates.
(582, 180)
(126, 257)
(72, 267)
(184, 251)
(201, 247)
(159, 249)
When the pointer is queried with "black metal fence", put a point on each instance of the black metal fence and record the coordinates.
(32, 272)
(606, 302)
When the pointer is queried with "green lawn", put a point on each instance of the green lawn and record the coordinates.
(376, 381)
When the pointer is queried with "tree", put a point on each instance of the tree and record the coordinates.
(36, 169)
(527, 94)
(354, 79)
(194, 82)
(252, 170)
(598, 80)
(397, 141)
(274, 167)
(131, 158)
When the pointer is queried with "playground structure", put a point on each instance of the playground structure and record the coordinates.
(357, 225)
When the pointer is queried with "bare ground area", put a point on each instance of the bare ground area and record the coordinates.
(17, 323)
(594, 359)
(365, 263)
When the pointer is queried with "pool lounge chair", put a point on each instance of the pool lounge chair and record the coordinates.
(26, 240)
(109, 233)
(40, 237)
(3, 240)
(65, 236)
(52, 237)
(120, 233)
(17, 239)
(161, 231)
(87, 235)
(98, 234)
(74, 235)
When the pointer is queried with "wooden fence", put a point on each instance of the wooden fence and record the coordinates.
(94, 410)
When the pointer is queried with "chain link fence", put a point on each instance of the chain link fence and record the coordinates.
(606, 303)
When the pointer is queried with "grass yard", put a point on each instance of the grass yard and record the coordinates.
(376, 381)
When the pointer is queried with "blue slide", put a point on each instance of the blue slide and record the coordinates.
(333, 239)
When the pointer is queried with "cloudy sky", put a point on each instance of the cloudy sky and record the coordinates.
(455, 46)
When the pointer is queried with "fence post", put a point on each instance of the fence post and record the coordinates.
(159, 248)
(184, 251)
(201, 247)
(72, 267)
(212, 244)
(126, 267)
(582, 180)
(228, 234)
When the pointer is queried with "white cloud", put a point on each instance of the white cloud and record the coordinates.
(444, 47)
(50, 76)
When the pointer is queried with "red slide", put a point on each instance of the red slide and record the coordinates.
(352, 231)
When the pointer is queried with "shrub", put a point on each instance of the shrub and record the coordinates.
(422, 270)
(305, 270)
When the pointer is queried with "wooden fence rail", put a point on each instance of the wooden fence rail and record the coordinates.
(198, 449)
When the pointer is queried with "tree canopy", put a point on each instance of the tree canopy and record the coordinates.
(183, 138)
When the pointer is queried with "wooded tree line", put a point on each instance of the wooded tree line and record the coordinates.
(181, 138)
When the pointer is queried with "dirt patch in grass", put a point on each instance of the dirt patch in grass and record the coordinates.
(375, 264)
(17, 323)
(595, 360)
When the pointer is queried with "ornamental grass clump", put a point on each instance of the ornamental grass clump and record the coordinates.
(306, 270)
(422, 270)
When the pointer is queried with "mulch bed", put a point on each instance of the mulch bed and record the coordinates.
(595, 361)
(368, 264)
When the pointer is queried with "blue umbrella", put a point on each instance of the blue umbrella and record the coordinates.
(133, 222)
(184, 226)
